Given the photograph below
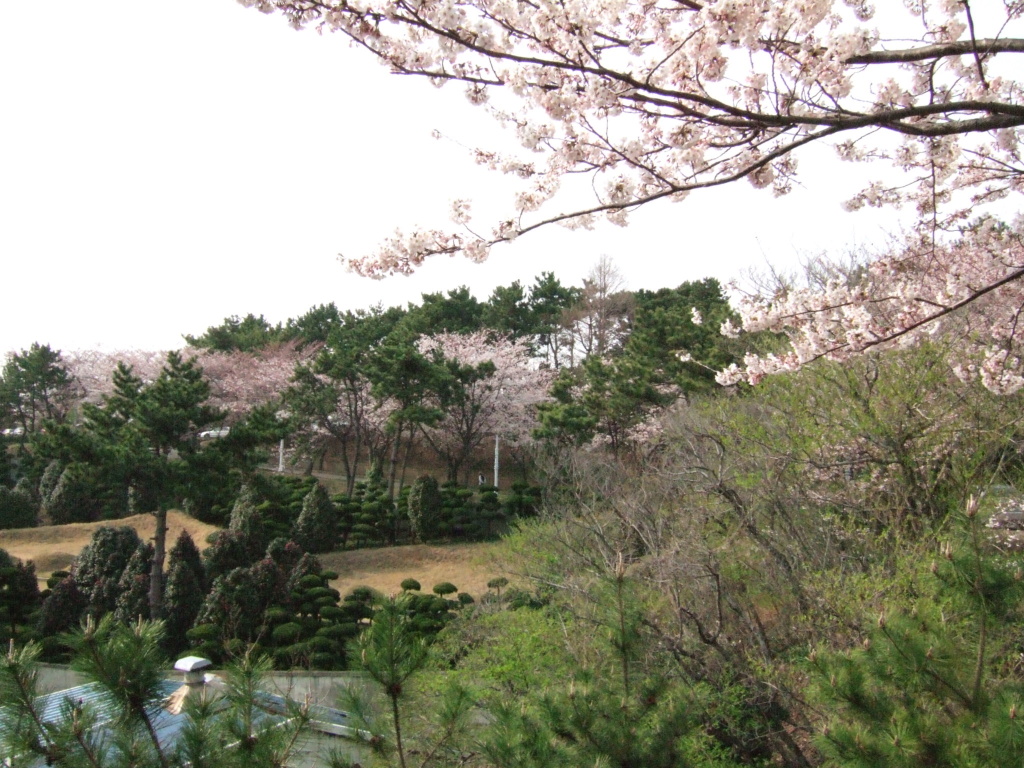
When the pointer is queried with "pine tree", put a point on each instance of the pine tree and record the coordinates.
(929, 685)
(98, 568)
(133, 587)
(316, 528)
(19, 595)
(17, 510)
(183, 599)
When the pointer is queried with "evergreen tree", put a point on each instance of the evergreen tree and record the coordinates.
(228, 551)
(245, 522)
(19, 595)
(928, 685)
(182, 601)
(285, 553)
(100, 565)
(17, 509)
(316, 529)
(60, 611)
(133, 587)
(424, 507)
(73, 499)
(233, 615)
(186, 551)
(391, 653)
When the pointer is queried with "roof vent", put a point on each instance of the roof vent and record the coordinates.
(193, 667)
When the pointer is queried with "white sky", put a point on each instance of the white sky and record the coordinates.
(165, 165)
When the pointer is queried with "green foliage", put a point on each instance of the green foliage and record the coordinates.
(445, 588)
(183, 600)
(233, 615)
(132, 602)
(35, 387)
(60, 611)
(368, 517)
(17, 509)
(309, 629)
(244, 334)
(316, 529)
(458, 312)
(73, 498)
(100, 565)
(926, 687)
(391, 652)
(19, 596)
(423, 507)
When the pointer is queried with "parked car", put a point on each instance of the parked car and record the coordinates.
(212, 434)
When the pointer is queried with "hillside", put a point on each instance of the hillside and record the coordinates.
(53, 547)
(468, 566)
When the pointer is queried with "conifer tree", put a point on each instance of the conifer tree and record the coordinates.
(929, 685)
(17, 510)
(133, 587)
(19, 595)
(316, 529)
(186, 551)
(183, 599)
(101, 563)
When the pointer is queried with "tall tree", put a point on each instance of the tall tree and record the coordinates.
(244, 334)
(35, 386)
(329, 398)
(549, 300)
(403, 380)
(492, 391)
(599, 321)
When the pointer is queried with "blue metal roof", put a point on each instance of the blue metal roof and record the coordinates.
(271, 708)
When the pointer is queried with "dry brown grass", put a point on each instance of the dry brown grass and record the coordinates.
(468, 566)
(53, 547)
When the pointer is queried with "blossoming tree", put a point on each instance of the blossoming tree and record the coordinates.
(655, 100)
(495, 388)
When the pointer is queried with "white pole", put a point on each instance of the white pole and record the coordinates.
(280, 456)
(496, 460)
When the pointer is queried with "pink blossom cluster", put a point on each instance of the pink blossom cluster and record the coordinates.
(503, 404)
(653, 100)
(970, 287)
(238, 380)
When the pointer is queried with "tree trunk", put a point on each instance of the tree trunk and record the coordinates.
(156, 574)
(393, 472)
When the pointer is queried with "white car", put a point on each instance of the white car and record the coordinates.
(211, 434)
(14, 432)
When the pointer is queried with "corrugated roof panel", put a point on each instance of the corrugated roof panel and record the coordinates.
(168, 725)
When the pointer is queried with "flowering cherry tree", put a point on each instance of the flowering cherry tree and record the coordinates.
(498, 398)
(239, 381)
(654, 100)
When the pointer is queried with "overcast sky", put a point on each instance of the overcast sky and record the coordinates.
(166, 165)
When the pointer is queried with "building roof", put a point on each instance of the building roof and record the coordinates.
(168, 715)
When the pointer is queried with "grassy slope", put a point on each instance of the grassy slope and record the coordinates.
(53, 547)
(467, 566)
